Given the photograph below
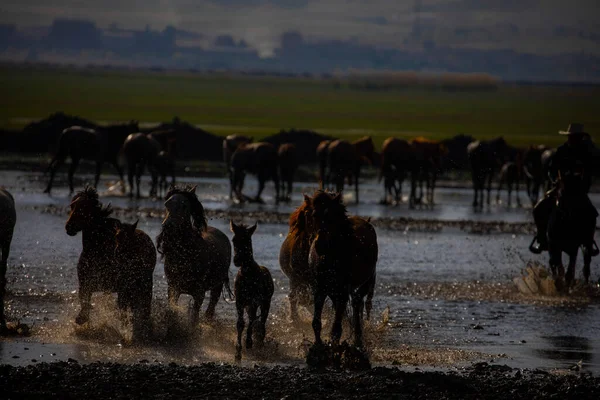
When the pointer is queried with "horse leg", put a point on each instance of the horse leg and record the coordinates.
(3, 268)
(54, 166)
(261, 184)
(99, 164)
(275, 176)
(489, 186)
(509, 186)
(587, 260)
(433, 181)
(142, 311)
(500, 184)
(240, 329)
(517, 192)
(369, 302)
(556, 266)
(293, 298)
(120, 172)
(357, 311)
(138, 176)
(262, 325)
(571, 268)
(251, 322)
(319, 302)
(85, 300)
(356, 175)
(131, 165)
(197, 304)
(336, 328)
(72, 168)
(215, 294)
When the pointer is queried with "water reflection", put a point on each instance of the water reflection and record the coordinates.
(568, 350)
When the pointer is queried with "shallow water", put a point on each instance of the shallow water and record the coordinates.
(450, 294)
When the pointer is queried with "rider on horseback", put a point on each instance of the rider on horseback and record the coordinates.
(571, 167)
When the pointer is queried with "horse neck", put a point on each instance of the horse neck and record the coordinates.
(99, 234)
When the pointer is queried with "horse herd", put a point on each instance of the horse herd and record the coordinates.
(339, 161)
(118, 257)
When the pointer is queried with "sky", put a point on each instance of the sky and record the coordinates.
(530, 26)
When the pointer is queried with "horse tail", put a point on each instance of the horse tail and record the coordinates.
(63, 150)
(228, 290)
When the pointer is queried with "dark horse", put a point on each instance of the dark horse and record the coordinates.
(141, 150)
(485, 158)
(426, 164)
(253, 287)
(197, 256)
(510, 175)
(288, 163)
(547, 157)
(260, 159)
(101, 145)
(230, 145)
(533, 171)
(396, 163)
(8, 218)
(101, 268)
(345, 160)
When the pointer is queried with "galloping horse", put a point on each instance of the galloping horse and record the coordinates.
(534, 172)
(100, 269)
(426, 164)
(485, 157)
(8, 218)
(253, 287)
(322, 155)
(288, 163)
(197, 256)
(230, 145)
(396, 162)
(100, 145)
(140, 150)
(259, 159)
(345, 160)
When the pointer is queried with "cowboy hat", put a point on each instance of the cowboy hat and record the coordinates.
(573, 129)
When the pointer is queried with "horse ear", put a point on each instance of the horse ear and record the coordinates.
(193, 189)
(338, 197)
(306, 199)
(252, 229)
(232, 226)
(134, 226)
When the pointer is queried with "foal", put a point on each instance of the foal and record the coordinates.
(253, 287)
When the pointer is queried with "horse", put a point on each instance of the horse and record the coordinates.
(345, 160)
(546, 160)
(338, 273)
(101, 268)
(260, 159)
(165, 165)
(196, 256)
(140, 150)
(288, 163)
(533, 171)
(427, 162)
(509, 176)
(101, 145)
(253, 287)
(322, 155)
(136, 257)
(396, 162)
(230, 145)
(485, 157)
(8, 219)
(295, 249)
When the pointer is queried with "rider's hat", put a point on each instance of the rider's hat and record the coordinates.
(574, 129)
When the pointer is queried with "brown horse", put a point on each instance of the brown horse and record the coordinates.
(136, 257)
(230, 145)
(253, 287)
(196, 256)
(509, 176)
(8, 219)
(396, 163)
(99, 269)
(140, 150)
(288, 163)
(427, 163)
(485, 158)
(322, 155)
(100, 145)
(259, 159)
(345, 160)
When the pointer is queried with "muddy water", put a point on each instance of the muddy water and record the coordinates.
(442, 299)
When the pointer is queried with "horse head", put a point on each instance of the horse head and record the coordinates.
(242, 243)
(85, 210)
(328, 211)
(183, 205)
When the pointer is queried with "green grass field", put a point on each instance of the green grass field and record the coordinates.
(262, 106)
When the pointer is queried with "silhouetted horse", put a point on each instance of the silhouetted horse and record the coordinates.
(288, 163)
(8, 218)
(259, 159)
(509, 176)
(140, 150)
(100, 145)
(533, 170)
(165, 165)
(294, 253)
(342, 263)
(253, 288)
(196, 256)
(485, 158)
(426, 164)
(100, 269)
(230, 145)
(322, 156)
(396, 162)
(547, 157)
(345, 160)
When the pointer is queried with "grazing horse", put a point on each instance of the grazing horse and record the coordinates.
(396, 162)
(101, 145)
(345, 160)
(509, 176)
(196, 256)
(336, 271)
(136, 257)
(534, 172)
(101, 268)
(485, 157)
(259, 159)
(253, 287)
(140, 150)
(322, 155)
(288, 163)
(8, 218)
(427, 162)
(230, 145)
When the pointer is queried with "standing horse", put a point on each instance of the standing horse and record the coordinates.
(427, 163)
(165, 165)
(288, 163)
(230, 145)
(8, 218)
(345, 160)
(196, 256)
(253, 287)
(322, 156)
(338, 273)
(533, 170)
(259, 159)
(509, 176)
(140, 150)
(101, 145)
(485, 157)
(98, 268)
(396, 162)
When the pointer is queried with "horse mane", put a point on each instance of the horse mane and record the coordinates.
(197, 210)
(337, 209)
(296, 227)
(90, 193)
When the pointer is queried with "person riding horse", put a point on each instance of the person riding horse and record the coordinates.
(571, 171)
